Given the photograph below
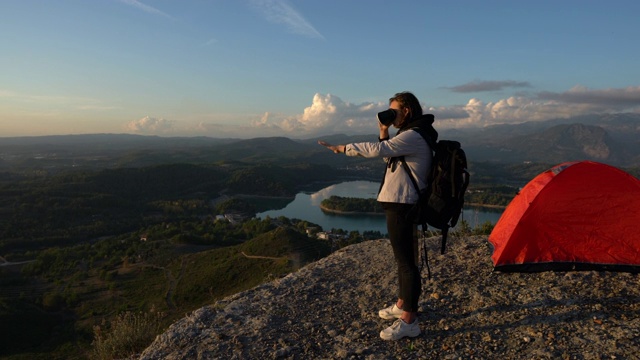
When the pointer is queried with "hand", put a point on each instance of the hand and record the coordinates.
(384, 127)
(384, 130)
(335, 148)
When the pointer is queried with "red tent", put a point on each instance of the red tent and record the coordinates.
(575, 216)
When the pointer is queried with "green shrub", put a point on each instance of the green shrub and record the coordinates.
(128, 334)
(53, 301)
(483, 229)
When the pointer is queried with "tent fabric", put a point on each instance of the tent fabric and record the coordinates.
(575, 216)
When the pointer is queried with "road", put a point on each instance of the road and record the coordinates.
(4, 262)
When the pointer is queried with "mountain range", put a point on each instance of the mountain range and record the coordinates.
(611, 138)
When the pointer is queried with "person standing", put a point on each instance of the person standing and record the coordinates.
(397, 194)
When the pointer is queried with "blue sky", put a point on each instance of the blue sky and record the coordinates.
(249, 68)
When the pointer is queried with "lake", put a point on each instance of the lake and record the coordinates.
(306, 206)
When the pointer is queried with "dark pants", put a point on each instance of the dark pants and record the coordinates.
(401, 234)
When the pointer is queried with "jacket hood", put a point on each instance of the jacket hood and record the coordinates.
(424, 122)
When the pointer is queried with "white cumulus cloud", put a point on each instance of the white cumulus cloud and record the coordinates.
(327, 114)
(150, 125)
(544, 105)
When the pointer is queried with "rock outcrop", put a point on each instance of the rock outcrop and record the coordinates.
(328, 310)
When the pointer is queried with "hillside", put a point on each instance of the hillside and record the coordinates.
(566, 143)
(53, 302)
(612, 139)
(328, 309)
(228, 270)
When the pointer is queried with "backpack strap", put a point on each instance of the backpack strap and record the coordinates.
(433, 145)
(443, 244)
(411, 177)
(384, 175)
(425, 259)
(390, 161)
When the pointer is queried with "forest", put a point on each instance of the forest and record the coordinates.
(80, 247)
(351, 205)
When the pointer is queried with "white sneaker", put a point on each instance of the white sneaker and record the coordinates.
(400, 329)
(391, 312)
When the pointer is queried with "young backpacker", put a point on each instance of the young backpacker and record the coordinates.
(440, 204)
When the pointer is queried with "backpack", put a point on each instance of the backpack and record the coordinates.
(440, 204)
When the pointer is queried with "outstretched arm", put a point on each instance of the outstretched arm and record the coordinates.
(335, 148)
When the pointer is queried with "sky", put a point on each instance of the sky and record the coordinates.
(303, 68)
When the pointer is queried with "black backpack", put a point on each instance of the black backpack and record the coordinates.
(440, 204)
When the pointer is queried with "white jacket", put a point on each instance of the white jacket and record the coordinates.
(397, 187)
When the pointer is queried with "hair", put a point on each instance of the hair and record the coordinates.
(408, 100)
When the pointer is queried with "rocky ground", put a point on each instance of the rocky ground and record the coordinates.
(328, 310)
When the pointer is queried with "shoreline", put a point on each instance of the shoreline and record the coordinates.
(340, 212)
(487, 205)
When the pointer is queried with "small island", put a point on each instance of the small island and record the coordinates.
(351, 206)
(359, 206)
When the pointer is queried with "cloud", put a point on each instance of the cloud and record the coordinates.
(326, 114)
(329, 114)
(607, 98)
(97, 107)
(482, 86)
(510, 110)
(542, 106)
(280, 12)
(210, 42)
(149, 125)
(56, 101)
(146, 8)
